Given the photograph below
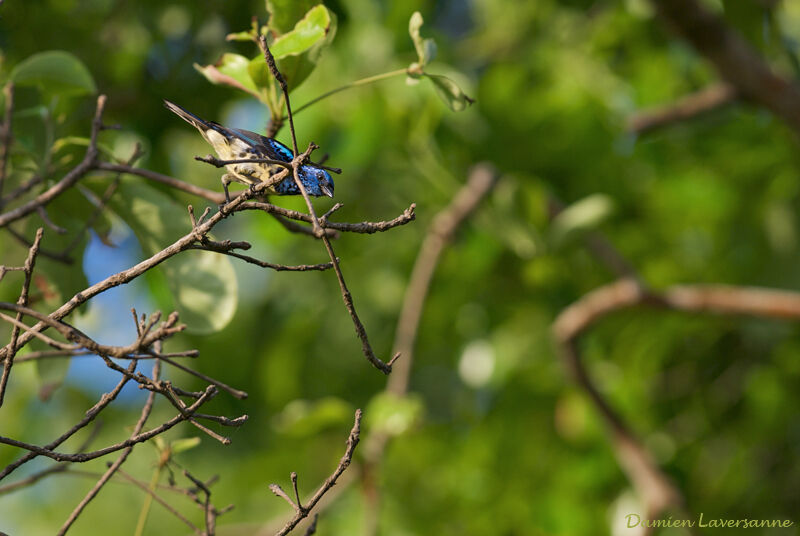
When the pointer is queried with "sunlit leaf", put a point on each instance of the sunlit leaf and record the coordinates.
(449, 92)
(231, 70)
(313, 27)
(259, 72)
(239, 36)
(296, 61)
(283, 14)
(55, 72)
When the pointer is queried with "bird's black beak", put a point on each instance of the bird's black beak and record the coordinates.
(326, 190)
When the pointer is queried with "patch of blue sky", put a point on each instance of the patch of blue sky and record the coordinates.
(108, 318)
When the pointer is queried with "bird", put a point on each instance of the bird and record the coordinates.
(238, 144)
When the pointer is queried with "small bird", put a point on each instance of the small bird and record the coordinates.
(237, 144)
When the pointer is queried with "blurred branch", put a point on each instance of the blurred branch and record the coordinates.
(653, 485)
(6, 135)
(735, 60)
(443, 228)
(480, 182)
(688, 107)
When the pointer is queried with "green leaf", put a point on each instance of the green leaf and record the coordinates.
(296, 64)
(585, 214)
(449, 92)
(313, 27)
(239, 36)
(259, 72)
(55, 72)
(231, 70)
(203, 284)
(426, 48)
(283, 14)
(184, 444)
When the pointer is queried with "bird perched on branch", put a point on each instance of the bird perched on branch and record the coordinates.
(237, 144)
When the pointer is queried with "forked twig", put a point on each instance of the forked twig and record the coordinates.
(301, 512)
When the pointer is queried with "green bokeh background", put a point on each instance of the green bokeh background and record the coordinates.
(522, 451)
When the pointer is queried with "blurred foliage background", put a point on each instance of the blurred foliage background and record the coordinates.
(496, 440)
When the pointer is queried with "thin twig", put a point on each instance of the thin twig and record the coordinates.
(23, 301)
(262, 42)
(364, 227)
(101, 204)
(81, 457)
(264, 264)
(297, 161)
(302, 512)
(55, 469)
(22, 189)
(148, 407)
(90, 415)
(158, 499)
(236, 393)
(19, 237)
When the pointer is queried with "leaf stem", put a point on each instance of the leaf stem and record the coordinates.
(148, 500)
(363, 81)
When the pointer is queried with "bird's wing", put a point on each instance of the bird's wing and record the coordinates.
(271, 148)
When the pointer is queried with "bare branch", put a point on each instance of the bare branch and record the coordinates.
(365, 227)
(11, 351)
(159, 500)
(302, 512)
(148, 407)
(654, 486)
(209, 393)
(210, 195)
(90, 415)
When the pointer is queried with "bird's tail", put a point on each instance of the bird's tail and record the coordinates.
(187, 116)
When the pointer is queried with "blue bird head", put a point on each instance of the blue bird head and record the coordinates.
(316, 180)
